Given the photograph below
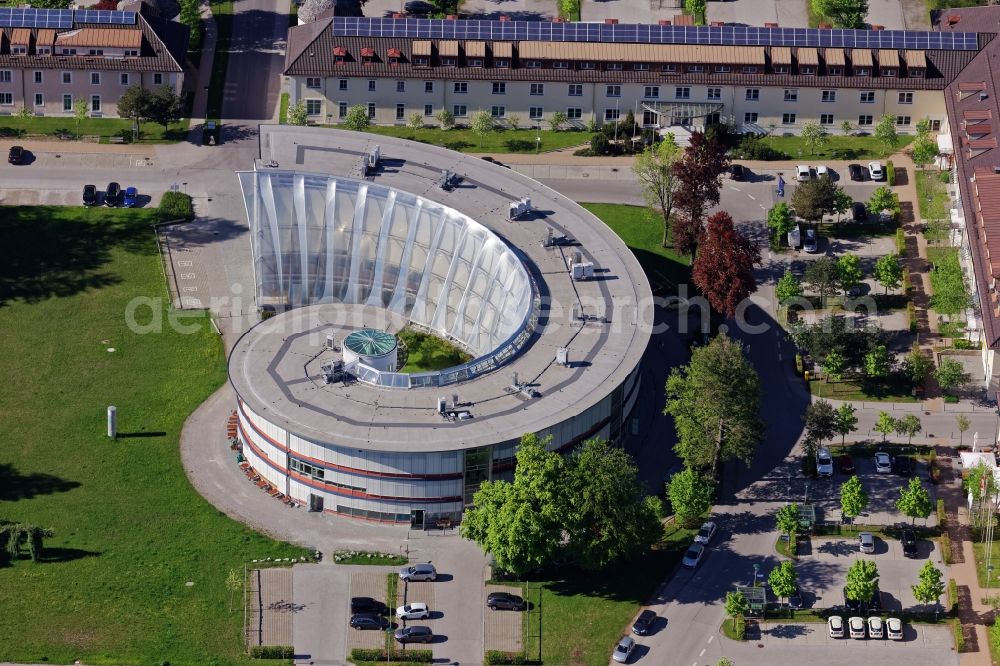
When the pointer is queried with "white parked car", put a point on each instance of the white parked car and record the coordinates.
(875, 627)
(835, 626)
(866, 543)
(876, 171)
(414, 611)
(624, 650)
(824, 462)
(822, 170)
(802, 172)
(883, 463)
(706, 533)
(894, 628)
(857, 627)
(693, 555)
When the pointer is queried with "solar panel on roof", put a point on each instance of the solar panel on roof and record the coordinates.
(631, 33)
(104, 16)
(20, 17)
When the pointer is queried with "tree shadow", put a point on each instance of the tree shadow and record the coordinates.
(66, 554)
(789, 630)
(15, 485)
(47, 255)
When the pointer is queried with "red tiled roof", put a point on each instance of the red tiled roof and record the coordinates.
(972, 86)
(367, 52)
(339, 51)
(980, 144)
(977, 114)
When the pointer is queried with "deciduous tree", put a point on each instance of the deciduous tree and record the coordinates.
(815, 198)
(788, 287)
(715, 403)
(416, 121)
(914, 501)
(885, 424)
(930, 586)
(780, 219)
(833, 366)
(165, 107)
(297, 113)
(654, 169)
(690, 495)
(951, 374)
(723, 267)
(786, 519)
(878, 362)
(981, 482)
(482, 125)
(737, 606)
(843, 13)
(962, 423)
(916, 365)
(814, 136)
(357, 118)
(134, 103)
(310, 10)
(846, 421)
(699, 172)
(783, 580)
(884, 199)
(923, 150)
(888, 272)
(557, 120)
(853, 498)
(445, 118)
(885, 132)
(823, 276)
(849, 273)
(835, 333)
(862, 580)
(820, 420)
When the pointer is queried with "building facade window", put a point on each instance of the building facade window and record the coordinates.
(461, 87)
(314, 107)
(459, 110)
(753, 94)
(448, 61)
(39, 99)
(67, 102)
(935, 125)
(342, 84)
(533, 64)
(312, 82)
(371, 85)
(95, 78)
(867, 97)
(829, 96)
(807, 69)
(400, 111)
(428, 109)
(906, 98)
(474, 62)
(641, 66)
(916, 73)
(749, 69)
(788, 119)
(535, 112)
(575, 90)
(750, 117)
(835, 70)
(6, 99)
(67, 77)
(682, 92)
(401, 86)
(38, 77)
(498, 111)
(888, 71)
(574, 113)
(499, 88)
(651, 92)
(371, 110)
(670, 68)
(714, 93)
(95, 103)
(587, 65)
(123, 79)
(613, 91)
(862, 71)
(864, 120)
(428, 86)
(614, 66)
(791, 94)
(903, 121)
(722, 69)
(157, 79)
(560, 64)
(611, 115)
(342, 110)
(781, 69)
(537, 89)
(696, 68)
(826, 119)
(501, 63)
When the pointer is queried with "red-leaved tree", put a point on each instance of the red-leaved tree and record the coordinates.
(699, 172)
(723, 267)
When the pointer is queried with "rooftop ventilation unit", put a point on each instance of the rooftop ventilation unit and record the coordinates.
(442, 405)
(983, 96)
(562, 356)
(333, 372)
(520, 208)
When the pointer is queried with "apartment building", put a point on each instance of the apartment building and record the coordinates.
(759, 78)
(50, 58)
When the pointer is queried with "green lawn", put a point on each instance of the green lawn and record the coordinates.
(222, 11)
(102, 127)
(426, 352)
(130, 532)
(644, 235)
(838, 147)
(283, 109)
(583, 614)
(979, 548)
(500, 141)
(932, 196)
(895, 389)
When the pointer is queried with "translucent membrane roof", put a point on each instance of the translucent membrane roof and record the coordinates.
(324, 239)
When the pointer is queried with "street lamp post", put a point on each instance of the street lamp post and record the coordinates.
(538, 144)
(756, 572)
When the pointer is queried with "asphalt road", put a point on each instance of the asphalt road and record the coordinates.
(253, 78)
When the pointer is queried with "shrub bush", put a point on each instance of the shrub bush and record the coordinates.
(952, 596)
(272, 652)
(907, 282)
(911, 316)
(945, 548)
(379, 654)
(956, 628)
(494, 657)
(945, 177)
(798, 363)
(900, 242)
(890, 173)
(176, 206)
(941, 515)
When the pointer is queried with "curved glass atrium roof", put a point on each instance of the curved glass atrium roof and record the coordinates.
(324, 239)
(370, 342)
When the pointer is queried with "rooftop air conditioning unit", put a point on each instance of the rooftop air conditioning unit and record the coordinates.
(442, 405)
(562, 356)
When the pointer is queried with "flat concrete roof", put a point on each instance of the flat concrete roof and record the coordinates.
(275, 365)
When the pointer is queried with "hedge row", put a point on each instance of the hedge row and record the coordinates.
(379, 654)
(272, 652)
(498, 657)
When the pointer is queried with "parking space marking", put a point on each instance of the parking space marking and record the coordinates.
(185, 264)
(710, 639)
(702, 653)
(186, 276)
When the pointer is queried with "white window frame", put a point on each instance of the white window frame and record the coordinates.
(536, 89)
(651, 92)
(752, 95)
(499, 88)
(828, 96)
(826, 119)
(682, 92)
(575, 90)
(574, 113)
(750, 117)
(866, 97)
(39, 100)
(460, 87)
(866, 123)
(460, 110)
(613, 90)
(791, 94)
(498, 111)
(713, 93)
(318, 103)
(905, 98)
(789, 118)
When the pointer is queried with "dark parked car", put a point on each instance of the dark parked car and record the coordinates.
(504, 601)
(131, 197)
(113, 195)
(909, 541)
(846, 464)
(644, 623)
(859, 212)
(738, 172)
(15, 155)
(862, 607)
(416, 634)
(369, 621)
(89, 195)
(856, 172)
(368, 606)
(902, 465)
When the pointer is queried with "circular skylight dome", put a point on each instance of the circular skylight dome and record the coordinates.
(370, 342)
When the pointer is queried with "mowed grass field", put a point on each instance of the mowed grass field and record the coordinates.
(136, 571)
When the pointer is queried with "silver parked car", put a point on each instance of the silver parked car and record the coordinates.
(866, 542)
(418, 572)
(623, 650)
(835, 626)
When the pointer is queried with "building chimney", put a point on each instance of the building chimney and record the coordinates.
(664, 22)
(983, 96)
(504, 18)
(452, 17)
(770, 25)
(610, 21)
(953, 19)
(878, 27)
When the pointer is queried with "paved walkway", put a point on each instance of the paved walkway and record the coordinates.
(210, 35)
(271, 608)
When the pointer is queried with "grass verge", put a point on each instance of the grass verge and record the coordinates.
(895, 388)
(643, 234)
(584, 614)
(788, 548)
(283, 109)
(137, 569)
(836, 148)
(734, 630)
(465, 140)
(222, 11)
(932, 195)
(105, 128)
(987, 579)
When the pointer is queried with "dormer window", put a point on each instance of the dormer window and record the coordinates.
(533, 64)
(339, 55)
(916, 73)
(640, 66)
(560, 64)
(96, 52)
(393, 55)
(474, 62)
(131, 53)
(420, 61)
(749, 69)
(781, 69)
(613, 66)
(19, 50)
(367, 55)
(448, 61)
(670, 68)
(722, 69)
(587, 65)
(835, 71)
(502, 63)
(696, 68)
(807, 69)
(862, 71)
(66, 51)
(45, 50)
(888, 71)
